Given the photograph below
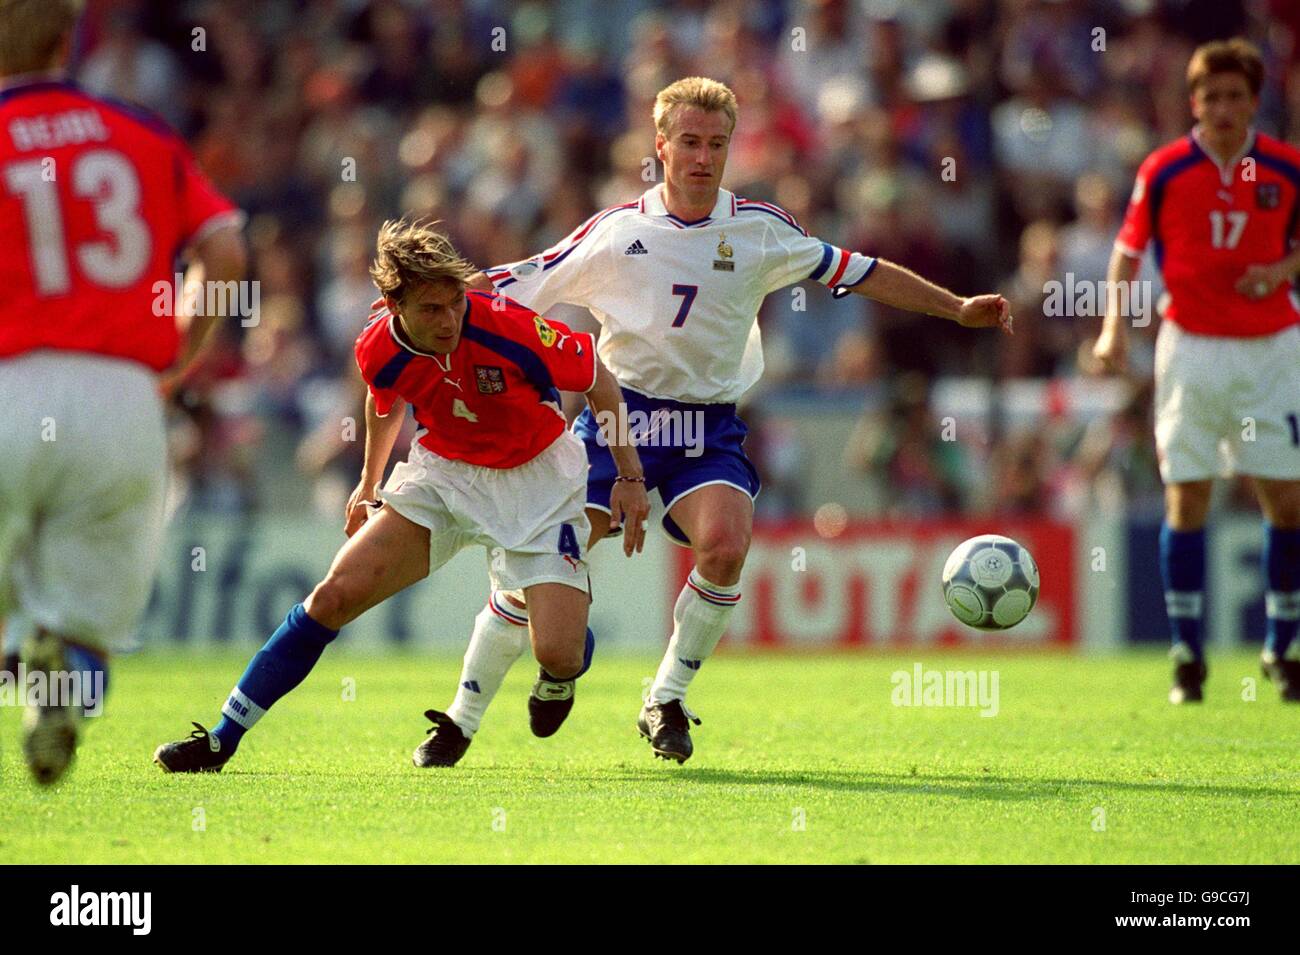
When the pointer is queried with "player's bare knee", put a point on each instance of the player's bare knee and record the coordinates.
(720, 558)
(330, 604)
(1187, 505)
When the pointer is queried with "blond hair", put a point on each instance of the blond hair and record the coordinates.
(409, 252)
(31, 31)
(1226, 56)
(699, 91)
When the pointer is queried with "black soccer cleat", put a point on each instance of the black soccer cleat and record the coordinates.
(201, 753)
(446, 744)
(1189, 678)
(549, 704)
(1282, 673)
(665, 728)
(49, 726)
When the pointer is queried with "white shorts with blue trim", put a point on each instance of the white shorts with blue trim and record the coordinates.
(531, 519)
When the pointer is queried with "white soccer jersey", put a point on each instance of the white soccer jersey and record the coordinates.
(678, 301)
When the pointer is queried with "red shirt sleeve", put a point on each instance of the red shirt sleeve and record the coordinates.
(1135, 233)
(384, 398)
(202, 206)
(371, 359)
(569, 356)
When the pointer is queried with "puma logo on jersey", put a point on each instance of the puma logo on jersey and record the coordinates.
(454, 383)
(636, 248)
(559, 345)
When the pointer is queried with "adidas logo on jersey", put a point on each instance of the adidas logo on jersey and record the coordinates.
(636, 248)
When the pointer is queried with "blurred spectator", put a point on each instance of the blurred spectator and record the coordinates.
(1116, 462)
(921, 467)
(985, 145)
(128, 65)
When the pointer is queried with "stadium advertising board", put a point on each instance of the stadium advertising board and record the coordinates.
(873, 586)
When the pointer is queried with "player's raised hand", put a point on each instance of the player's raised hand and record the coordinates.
(358, 509)
(628, 508)
(985, 311)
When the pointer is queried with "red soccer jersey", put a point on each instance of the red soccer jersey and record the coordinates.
(96, 200)
(495, 400)
(1208, 224)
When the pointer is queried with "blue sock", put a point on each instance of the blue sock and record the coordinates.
(588, 650)
(278, 667)
(1282, 600)
(1182, 565)
(95, 686)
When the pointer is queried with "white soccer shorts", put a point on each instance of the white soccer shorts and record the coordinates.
(82, 478)
(1235, 400)
(531, 519)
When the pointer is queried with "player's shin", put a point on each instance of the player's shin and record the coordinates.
(500, 637)
(699, 620)
(278, 667)
(1182, 564)
(1282, 600)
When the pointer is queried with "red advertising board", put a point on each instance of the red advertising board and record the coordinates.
(878, 585)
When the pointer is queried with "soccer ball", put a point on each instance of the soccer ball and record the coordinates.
(990, 582)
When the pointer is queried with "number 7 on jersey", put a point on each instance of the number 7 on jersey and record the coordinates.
(688, 293)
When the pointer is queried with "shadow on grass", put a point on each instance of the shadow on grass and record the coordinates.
(981, 786)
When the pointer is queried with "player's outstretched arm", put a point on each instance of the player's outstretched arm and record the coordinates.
(1111, 348)
(894, 285)
(381, 434)
(628, 504)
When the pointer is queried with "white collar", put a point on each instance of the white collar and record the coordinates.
(1226, 170)
(652, 204)
(396, 331)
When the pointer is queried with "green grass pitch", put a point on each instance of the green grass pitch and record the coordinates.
(801, 759)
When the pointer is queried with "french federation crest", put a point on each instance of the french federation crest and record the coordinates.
(544, 332)
(490, 379)
(1268, 195)
(723, 262)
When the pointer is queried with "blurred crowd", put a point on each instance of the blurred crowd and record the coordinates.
(987, 144)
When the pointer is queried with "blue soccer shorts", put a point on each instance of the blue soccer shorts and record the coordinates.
(683, 446)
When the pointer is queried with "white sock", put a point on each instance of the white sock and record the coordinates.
(699, 619)
(500, 637)
(16, 629)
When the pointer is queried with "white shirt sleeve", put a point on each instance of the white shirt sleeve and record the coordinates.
(561, 273)
(791, 255)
